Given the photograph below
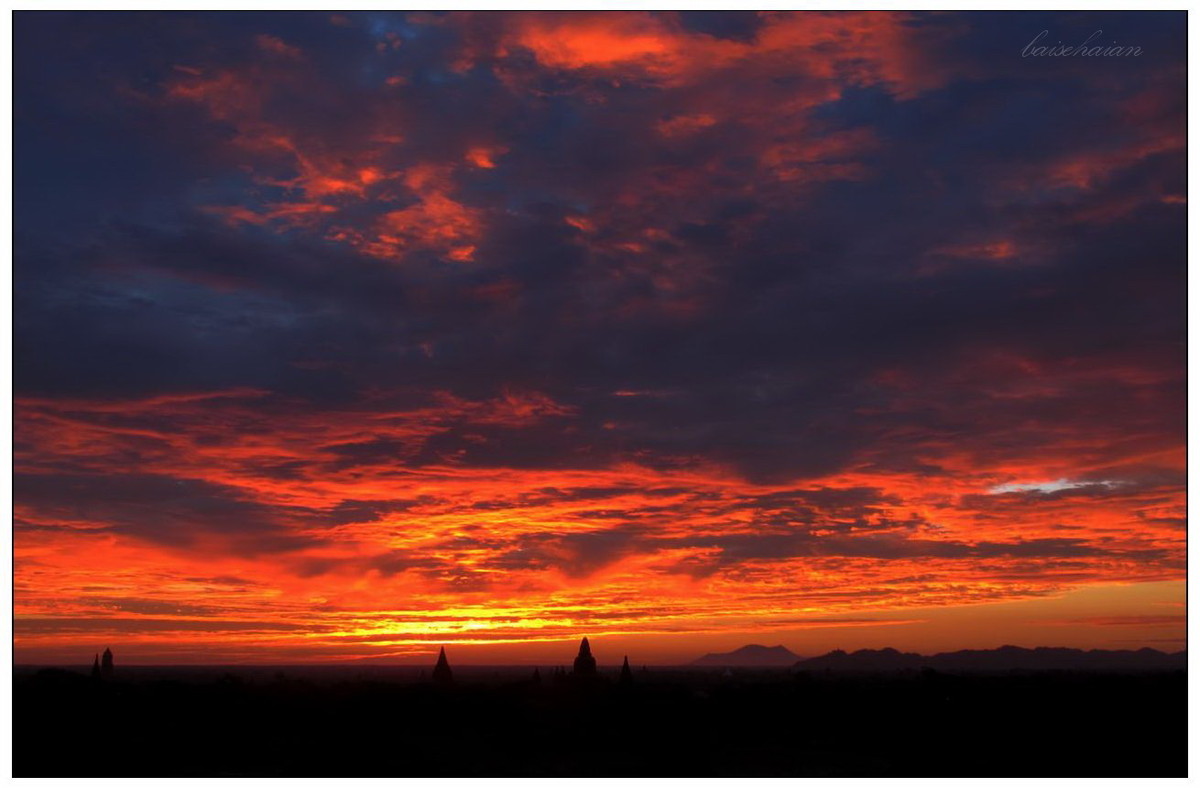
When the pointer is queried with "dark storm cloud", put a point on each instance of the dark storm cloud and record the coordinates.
(367, 452)
(578, 555)
(149, 607)
(761, 312)
(581, 554)
(349, 511)
(782, 546)
(69, 625)
(162, 509)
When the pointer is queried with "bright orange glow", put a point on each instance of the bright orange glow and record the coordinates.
(677, 332)
(381, 557)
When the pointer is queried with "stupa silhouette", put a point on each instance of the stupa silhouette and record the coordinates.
(585, 663)
(626, 674)
(106, 665)
(441, 671)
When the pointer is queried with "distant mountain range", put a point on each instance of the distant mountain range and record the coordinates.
(1005, 658)
(752, 656)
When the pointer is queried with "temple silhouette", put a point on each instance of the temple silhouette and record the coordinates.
(441, 671)
(585, 663)
(103, 668)
(583, 671)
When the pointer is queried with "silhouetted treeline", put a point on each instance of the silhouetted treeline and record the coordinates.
(636, 723)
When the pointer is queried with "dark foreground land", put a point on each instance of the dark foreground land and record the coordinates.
(667, 723)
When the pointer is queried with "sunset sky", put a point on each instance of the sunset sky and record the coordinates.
(345, 337)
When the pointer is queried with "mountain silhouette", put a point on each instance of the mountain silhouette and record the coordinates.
(1005, 658)
(751, 656)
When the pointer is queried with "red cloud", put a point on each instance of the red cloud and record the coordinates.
(327, 179)
(862, 48)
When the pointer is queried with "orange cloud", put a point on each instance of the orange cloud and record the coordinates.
(575, 41)
(328, 179)
(293, 214)
(685, 124)
(277, 46)
(437, 221)
(485, 157)
(395, 541)
(863, 48)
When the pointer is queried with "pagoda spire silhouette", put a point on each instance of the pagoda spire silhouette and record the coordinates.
(626, 674)
(441, 671)
(585, 663)
(96, 667)
(106, 665)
